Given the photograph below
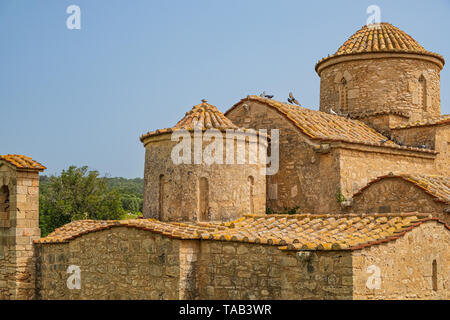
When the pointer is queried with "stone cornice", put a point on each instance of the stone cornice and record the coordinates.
(333, 60)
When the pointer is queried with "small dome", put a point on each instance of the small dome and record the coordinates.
(382, 37)
(202, 117)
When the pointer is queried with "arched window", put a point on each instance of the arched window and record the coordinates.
(4, 200)
(434, 277)
(251, 183)
(4, 207)
(343, 99)
(422, 92)
(203, 200)
(162, 182)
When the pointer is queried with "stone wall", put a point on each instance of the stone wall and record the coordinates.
(359, 166)
(443, 147)
(382, 83)
(126, 263)
(436, 137)
(19, 227)
(231, 271)
(232, 189)
(305, 179)
(406, 266)
(120, 263)
(394, 195)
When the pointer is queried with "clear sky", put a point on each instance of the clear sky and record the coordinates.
(84, 97)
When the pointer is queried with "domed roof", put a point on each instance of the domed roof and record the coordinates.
(204, 116)
(382, 37)
(201, 117)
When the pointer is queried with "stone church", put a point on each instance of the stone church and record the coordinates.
(358, 208)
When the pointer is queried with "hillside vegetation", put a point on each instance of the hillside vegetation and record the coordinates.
(79, 193)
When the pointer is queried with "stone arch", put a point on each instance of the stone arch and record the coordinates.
(343, 95)
(422, 92)
(434, 275)
(4, 206)
(203, 199)
(162, 193)
(251, 191)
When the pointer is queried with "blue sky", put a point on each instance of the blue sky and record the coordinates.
(84, 97)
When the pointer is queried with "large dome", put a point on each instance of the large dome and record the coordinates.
(383, 37)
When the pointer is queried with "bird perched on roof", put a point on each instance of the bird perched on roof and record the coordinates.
(292, 100)
(264, 95)
(332, 112)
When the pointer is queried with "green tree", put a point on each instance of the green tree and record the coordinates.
(77, 194)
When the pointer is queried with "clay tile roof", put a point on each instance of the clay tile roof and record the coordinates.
(383, 37)
(435, 185)
(443, 119)
(324, 126)
(288, 232)
(202, 117)
(22, 162)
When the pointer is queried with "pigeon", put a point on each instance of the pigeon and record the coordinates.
(384, 141)
(262, 94)
(292, 99)
(268, 96)
(348, 115)
(332, 112)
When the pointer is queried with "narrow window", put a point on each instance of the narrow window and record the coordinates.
(423, 92)
(4, 203)
(251, 183)
(162, 182)
(203, 199)
(343, 100)
(434, 276)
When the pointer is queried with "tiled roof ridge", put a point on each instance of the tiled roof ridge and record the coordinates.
(365, 114)
(380, 38)
(203, 116)
(22, 162)
(443, 119)
(287, 232)
(278, 106)
(421, 181)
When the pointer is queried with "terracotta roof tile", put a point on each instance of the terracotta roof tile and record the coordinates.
(324, 126)
(444, 119)
(202, 117)
(22, 162)
(435, 185)
(383, 37)
(305, 231)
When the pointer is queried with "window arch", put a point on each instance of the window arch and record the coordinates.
(343, 96)
(162, 182)
(4, 203)
(203, 199)
(434, 277)
(422, 92)
(251, 186)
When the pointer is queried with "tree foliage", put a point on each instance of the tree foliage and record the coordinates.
(77, 194)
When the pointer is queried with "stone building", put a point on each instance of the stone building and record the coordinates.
(358, 209)
(201, 182)
(19, 225)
